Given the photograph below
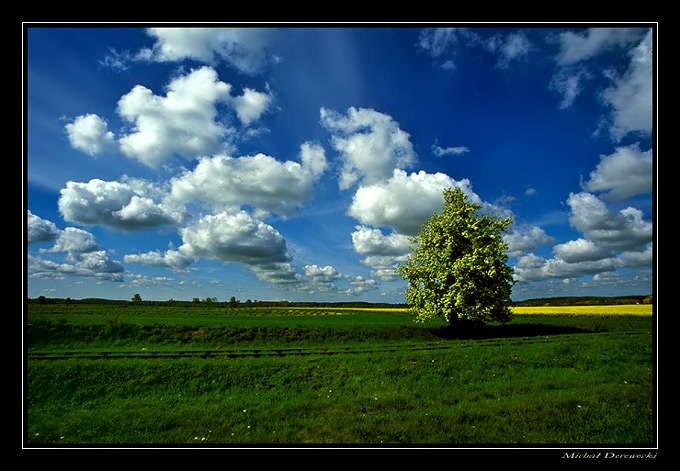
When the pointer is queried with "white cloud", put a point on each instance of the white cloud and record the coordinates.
(634, 259)
(360, 284)
(138, 282)
(441, 44)
(626, 172)
(580, 250)
(404, 202)
(371, 144)
(374, 242)
(278, 274)
(246, 49)
(511, 47)
(438, 41)
(90, 134)
(569, 83)
(129, 205)
(384, 252)
(40, 230)
(560, 269)
(582, 259)
(234, 237)
(97, 265)
(251, 105)
(630, 96)
(86, 260)
(441, 151)
(322, 278)
(100, 263)
(74, 241)
(623, 230)
(612, 241)
(325, 274)
(183, 122)
(260, 181)
(172, 259)
(313, 158)
(187, 121)
(525, 238)
(49, 270)
(577, 47)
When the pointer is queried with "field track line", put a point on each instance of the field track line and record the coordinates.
(291, 351)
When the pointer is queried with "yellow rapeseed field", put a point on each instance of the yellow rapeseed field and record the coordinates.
(623, 309)
(609, 310)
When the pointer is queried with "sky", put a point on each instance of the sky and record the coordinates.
(296, 162)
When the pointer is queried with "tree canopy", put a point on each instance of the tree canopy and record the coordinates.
(457, 267)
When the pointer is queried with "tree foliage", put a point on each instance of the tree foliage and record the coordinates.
(457, 267)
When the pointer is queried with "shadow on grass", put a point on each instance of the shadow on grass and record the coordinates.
(481, 332)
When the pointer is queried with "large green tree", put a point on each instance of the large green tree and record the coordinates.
(457, 267)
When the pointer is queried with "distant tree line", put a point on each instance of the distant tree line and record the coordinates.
(586, 300)
(213, 302)
(234, 303)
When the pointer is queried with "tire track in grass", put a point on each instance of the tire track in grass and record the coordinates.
(291, 351)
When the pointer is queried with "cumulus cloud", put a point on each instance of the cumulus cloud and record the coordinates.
(622, 230)
(627, 172)
(100, 263)
(322, 278)
(187, 121)
(182, 122)
(246, 49)
(278, 274)
(90, 134)
(611, 240)
(404, 202)
(39, 229)
(371, 144)
(538, 269)
(234, 237)
(75, 242)
(635, 259)
(79, 245)
(260, 180)
(580, 250)
(525, 238)
(128, 205)
(82, 251)
(251, 105)
(582, 260)
(172, 259)
(97, 265)
(360, 284)
(325, 274)
(372, 241)
(384, 252)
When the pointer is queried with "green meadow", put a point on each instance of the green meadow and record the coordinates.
(209, 376)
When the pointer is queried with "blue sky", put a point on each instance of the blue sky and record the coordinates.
(295, 163)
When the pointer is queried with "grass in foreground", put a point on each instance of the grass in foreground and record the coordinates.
(573, 381)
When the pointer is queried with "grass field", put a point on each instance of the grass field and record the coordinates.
(98, 375)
